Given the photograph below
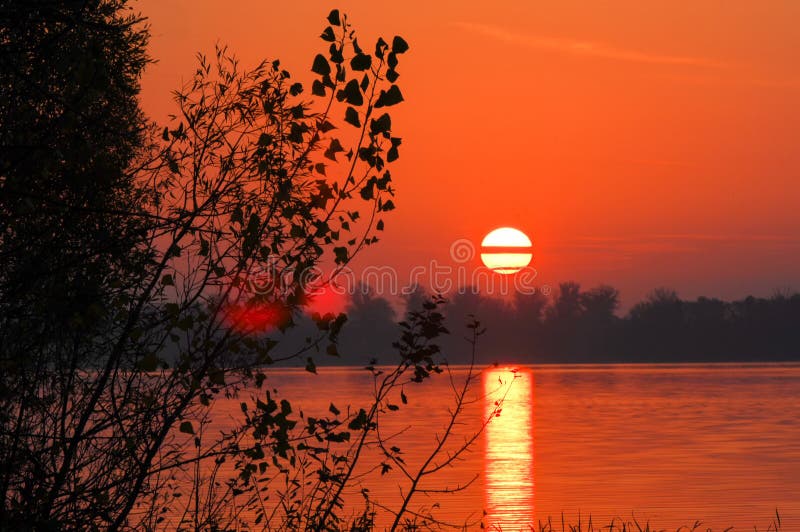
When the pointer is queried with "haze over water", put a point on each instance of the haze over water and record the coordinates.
(667, 443)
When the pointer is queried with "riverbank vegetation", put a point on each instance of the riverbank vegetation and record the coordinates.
(634, 525)
(131, 257)
(577, 325)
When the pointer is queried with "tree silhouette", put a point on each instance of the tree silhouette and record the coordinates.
(370, 329)
(70, 128)
(70, 133)
(583, 326)
(192, 256)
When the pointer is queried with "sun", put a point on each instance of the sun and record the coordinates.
(506, 250)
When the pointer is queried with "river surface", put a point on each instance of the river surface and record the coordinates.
(668, 444)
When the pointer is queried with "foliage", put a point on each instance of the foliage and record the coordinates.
(631, 525)
(298, 472)
(70, 128)
(70, 233)
(103, 407)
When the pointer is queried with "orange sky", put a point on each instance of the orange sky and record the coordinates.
(639, 144)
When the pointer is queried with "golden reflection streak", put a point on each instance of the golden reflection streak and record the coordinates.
(508, 451)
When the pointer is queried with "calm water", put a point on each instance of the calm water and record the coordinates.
(667, 443)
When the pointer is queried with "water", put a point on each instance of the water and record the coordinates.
(666, 443)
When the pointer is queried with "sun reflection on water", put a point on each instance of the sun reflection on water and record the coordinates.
(508, 450)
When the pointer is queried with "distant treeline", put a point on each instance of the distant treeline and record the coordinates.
(575, 325)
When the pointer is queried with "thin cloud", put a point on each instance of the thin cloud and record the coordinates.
(743, 79)
(705, 237)
(585, 48)
(658, 162)
(727, 237)
(630, 246)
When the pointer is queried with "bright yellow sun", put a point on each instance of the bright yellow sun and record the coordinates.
(506, 250)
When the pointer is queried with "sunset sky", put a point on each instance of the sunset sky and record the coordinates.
(638, 144)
